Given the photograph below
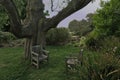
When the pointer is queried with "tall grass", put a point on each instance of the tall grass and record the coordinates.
(100, 67)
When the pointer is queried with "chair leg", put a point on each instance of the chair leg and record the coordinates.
(38, 64)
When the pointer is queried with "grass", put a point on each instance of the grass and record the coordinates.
(14, 67)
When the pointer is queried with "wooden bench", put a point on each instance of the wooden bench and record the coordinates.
(37, 58)
(73, 60)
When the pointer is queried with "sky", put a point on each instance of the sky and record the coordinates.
(79, 15)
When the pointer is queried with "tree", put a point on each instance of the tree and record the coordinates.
(35, 25)
(82, 27)
(74, 25)
(4, 19)
(106, 20)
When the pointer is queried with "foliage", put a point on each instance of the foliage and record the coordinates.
(110, 42)
(21, 6)
(81, 27)
(106, 20)
(93, 44)
(4, 19)
(100, 67)
(80, 42)
(105, 44)
(106, 26)
(58, 36)
(6, 37)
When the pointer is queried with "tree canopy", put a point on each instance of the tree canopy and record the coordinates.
(82, 27)
(106, 19)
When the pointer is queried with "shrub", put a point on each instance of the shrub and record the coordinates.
(92, 43)
(107, 43)
(100, 67)
(58, 36)
(6, 37)
(80, 42)
(93, 40)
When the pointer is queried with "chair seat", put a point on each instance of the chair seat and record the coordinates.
(72, 61)
(42, 57)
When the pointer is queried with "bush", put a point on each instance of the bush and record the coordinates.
(6, 37)
(100, 67)
(105, 44)
(80, 42)
(58, 36)
(92, 43)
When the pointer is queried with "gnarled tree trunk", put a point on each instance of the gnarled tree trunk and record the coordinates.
(36, 24)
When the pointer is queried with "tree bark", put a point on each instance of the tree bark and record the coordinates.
(28, 44)
(17, 28)
(35, 11)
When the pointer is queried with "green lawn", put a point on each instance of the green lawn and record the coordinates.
(14, 67)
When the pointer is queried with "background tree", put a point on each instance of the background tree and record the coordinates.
(107, 27)
(82, 27)
(73, 25)
(106, 19)
(35, 25)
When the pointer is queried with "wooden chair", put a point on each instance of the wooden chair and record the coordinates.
(37, 58)
(73, 60)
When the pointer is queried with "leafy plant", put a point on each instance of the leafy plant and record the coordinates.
(58, 36)
(106, 19)
(6, 37)
(100, 67)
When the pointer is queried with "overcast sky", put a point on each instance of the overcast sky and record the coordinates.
(81, 14)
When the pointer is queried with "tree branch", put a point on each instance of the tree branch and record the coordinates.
(52, 5)
(72, 7)
(16, 26)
